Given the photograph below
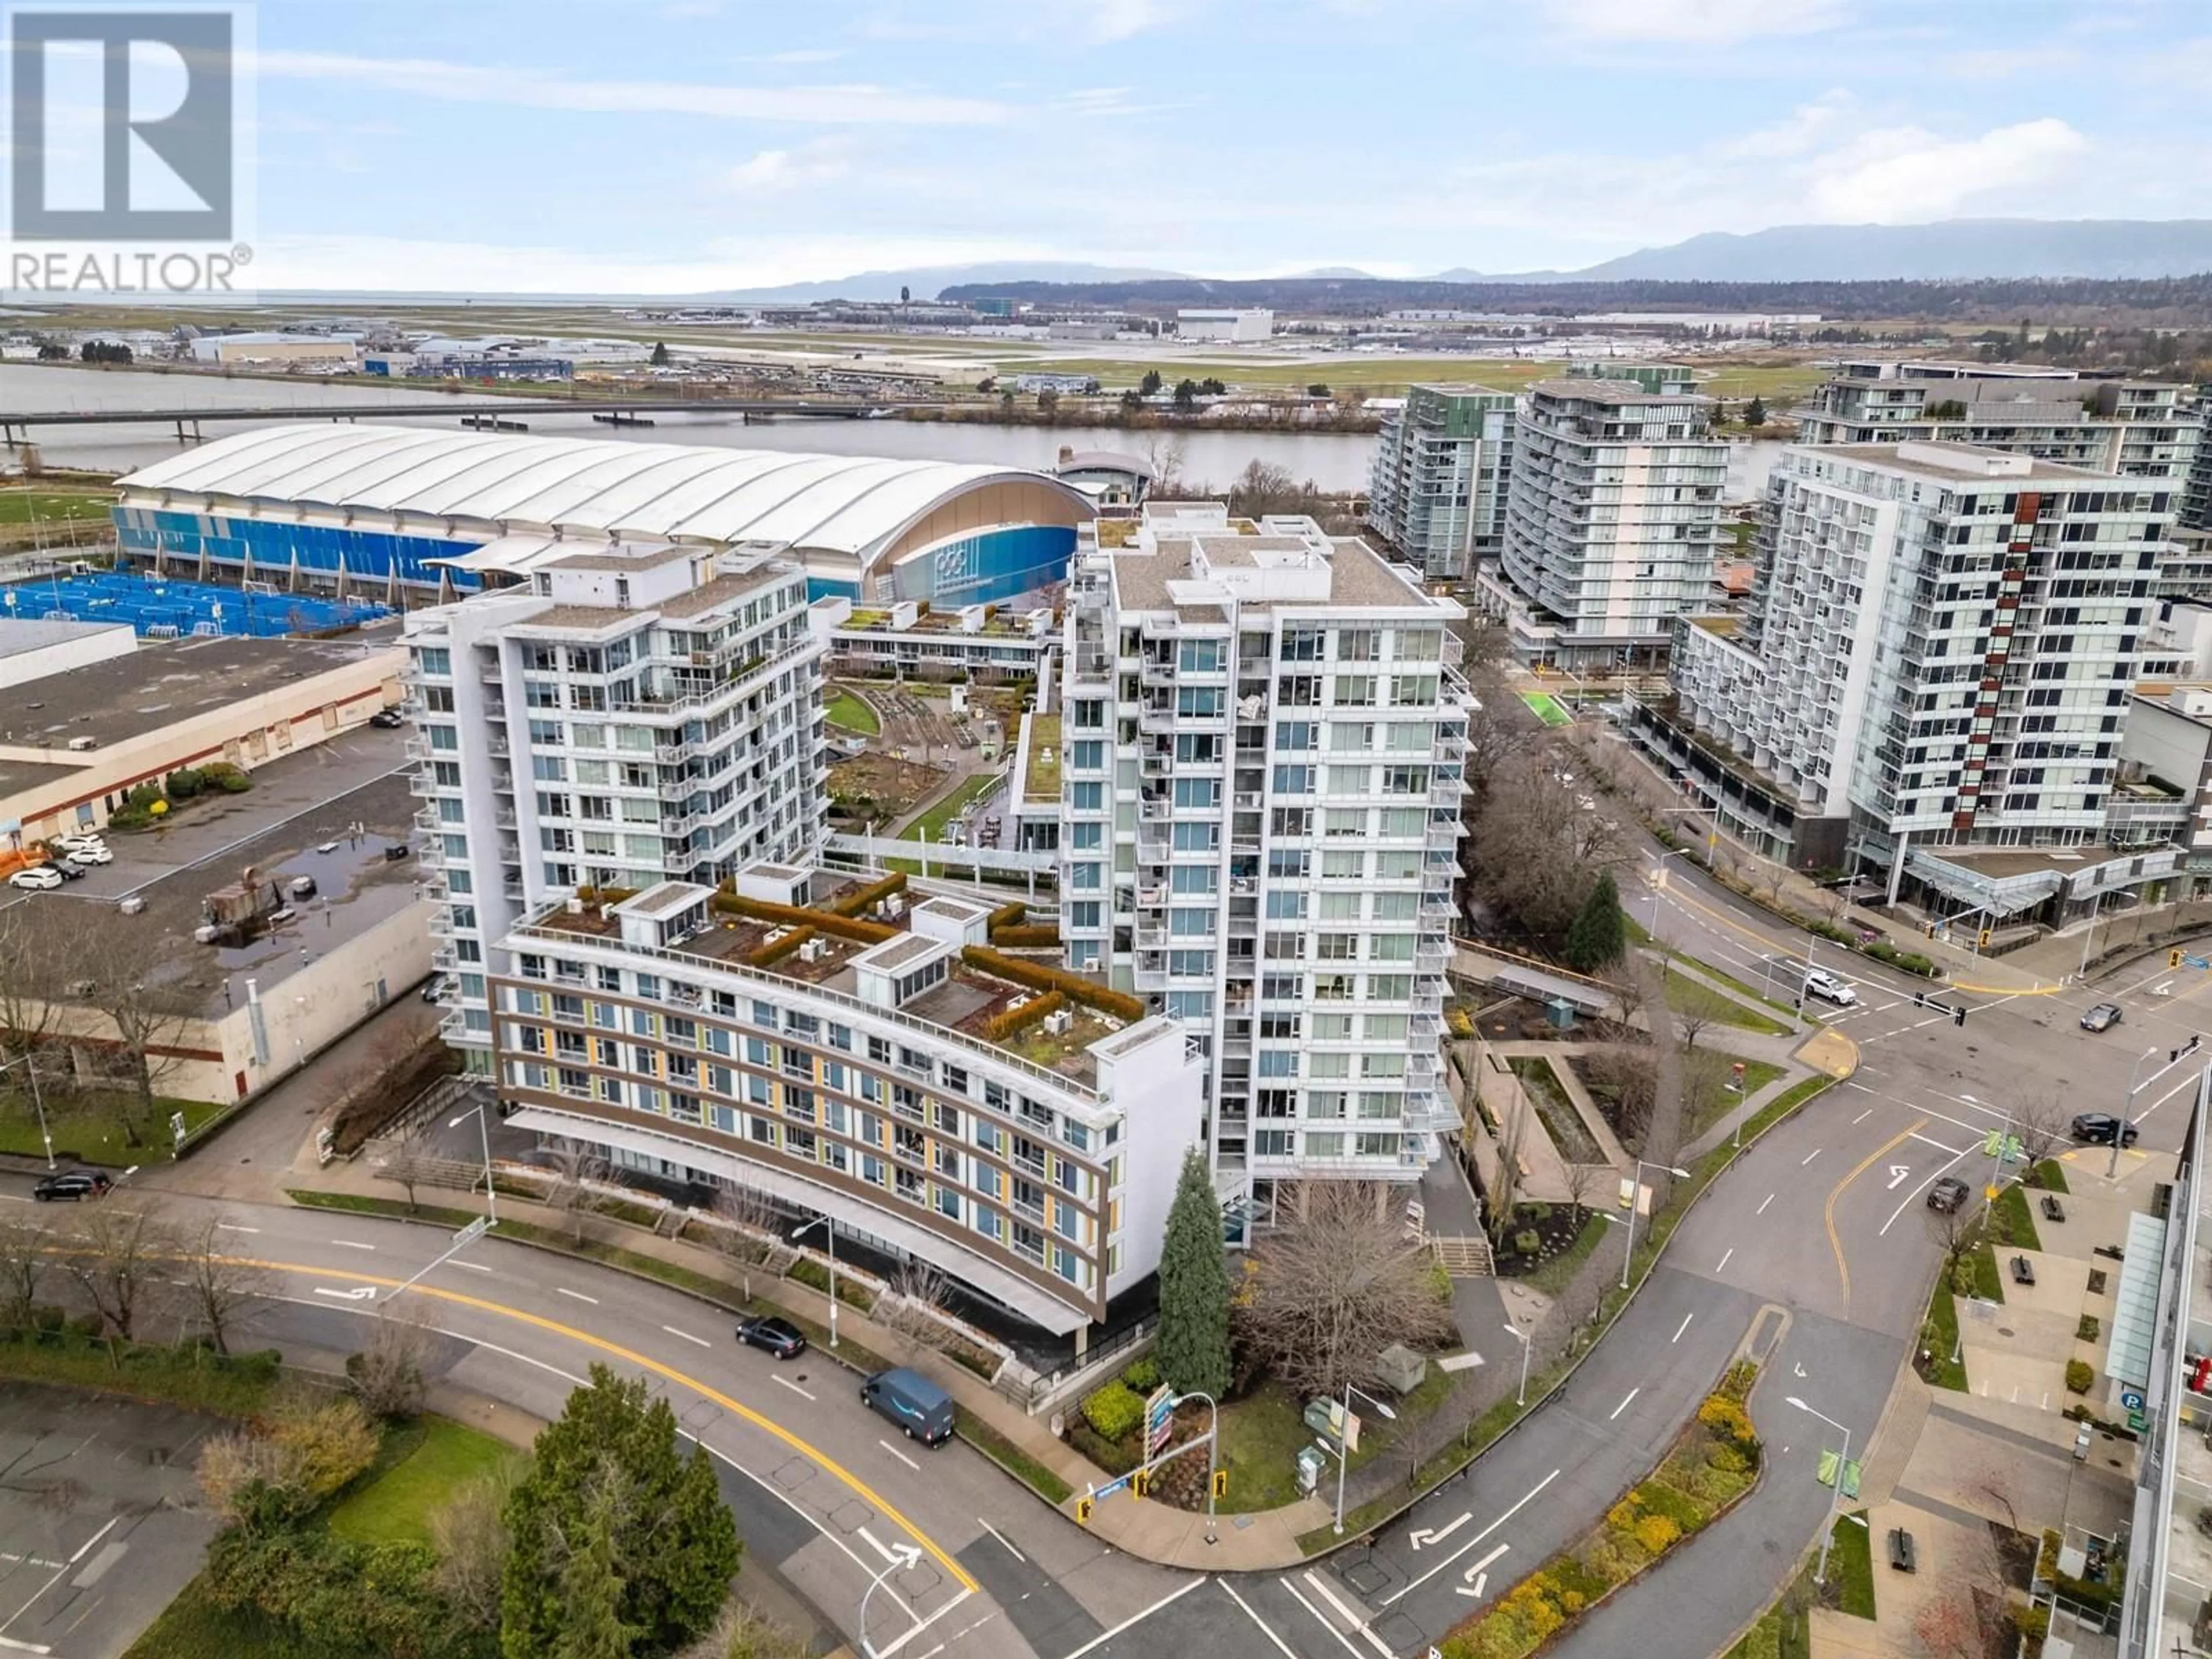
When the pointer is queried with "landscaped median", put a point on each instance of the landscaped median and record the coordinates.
(1713, 1462)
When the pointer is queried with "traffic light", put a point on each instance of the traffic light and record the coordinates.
(1958, 1015)
(1140, 1483)
(1985, 938)
(1220, 1483)
(2174, 958)
(1083, 1508)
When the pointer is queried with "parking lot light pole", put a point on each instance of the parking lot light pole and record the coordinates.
(828, 1233)
(1628, 1255)
(2127, 1114)
(1522, 1398)
(1842, 1463)
(37, 1105)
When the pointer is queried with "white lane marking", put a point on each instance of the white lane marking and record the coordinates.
(1764, 1202)
(1177, 1593)
(1683, 1326)
(1724, 1260)
(1518, 1504)
(1863, 1116)
(1421, 1535)
(788, 1384)
(473, 1267)
(1001, 1537)
(881, 1548)
(1898, 1174)
(1809, 1157)
(900, 1455)
(1266, 1630)
(562, 1290)
(1622, 1406)
(1321, 1589)
(357, 1293)
(1929, 1141)
(1905, 1202)
(1476, 1579)
(83, 1549)
(700, 1341)
(1313, 1611)
(233, 1227)
(352, 1244)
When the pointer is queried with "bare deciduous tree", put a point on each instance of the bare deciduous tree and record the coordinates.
(119, 1262)
(126, 971)
(914, 1310)
(1990, 1483)
(1536, 849)
(1948, 1626)
(1334, 1284)
(1503, 1198)
(576, 1167)
(1949, 1230)
(746, 1215)
(221, 1294)
(742, 1633)
(32, 975)
(1584, 1180)
(27, 1243)
(2043, 1126)
(472, 1542)
(408, 1162)
(1624, 1079)
(387, 1374)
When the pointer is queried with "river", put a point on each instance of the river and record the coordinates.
(1336, 462)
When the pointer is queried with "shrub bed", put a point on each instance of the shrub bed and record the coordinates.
(1712, 1463)
(1038, 976)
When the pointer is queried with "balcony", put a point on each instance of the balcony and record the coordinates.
(440, 924)
(422, 785)
(1155, 764)
(1155, 673)
(443, 959)
(428, 822)
(416, 748)
(1156, 809)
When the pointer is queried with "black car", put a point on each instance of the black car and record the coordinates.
(390, 720)
(1946, 1195)
(771, 1335)
(2101, 1017)
(2098, 1128)
(72, 1185)
(69, 869)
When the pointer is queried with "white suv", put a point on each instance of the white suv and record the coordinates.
(1819, 983)
(38, 877)
(77, 841)
(88, 851)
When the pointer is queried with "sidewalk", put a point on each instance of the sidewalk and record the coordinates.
(1151, 1531)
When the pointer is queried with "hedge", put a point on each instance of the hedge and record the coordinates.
(866, 933)
(1114, 1411)
(778, 948)
(1028, 933)
(864, 898)
(1006, 916)
(1039, 976)
(1000, 1026)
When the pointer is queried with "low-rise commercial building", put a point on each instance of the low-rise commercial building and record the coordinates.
(1208, 323)
(73, 745)
(36, 650)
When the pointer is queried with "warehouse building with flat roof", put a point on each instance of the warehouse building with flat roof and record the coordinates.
(401, 515)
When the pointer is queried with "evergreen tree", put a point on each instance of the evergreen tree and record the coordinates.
(1194, 1344)
(670, 1542)
(1599, 933)
(1754, 412)
(592, 1592)
(660, 353)
(1151, 383)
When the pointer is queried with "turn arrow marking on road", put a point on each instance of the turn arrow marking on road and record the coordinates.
(1898, 1174)
(358, 1293)
(1421, 1535)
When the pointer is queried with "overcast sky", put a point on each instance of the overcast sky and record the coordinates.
(681, 145)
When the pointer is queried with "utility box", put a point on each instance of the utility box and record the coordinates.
(1561, 1014)
(1310, 1460)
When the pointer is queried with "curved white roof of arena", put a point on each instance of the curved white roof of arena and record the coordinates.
(862, 508)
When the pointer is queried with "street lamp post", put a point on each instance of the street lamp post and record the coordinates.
(1628, 1254)
(1344, 1449)
(2089, 935)
(483, 1125)
(829, 1233)
(38, 1103)
(2127, 1114)
(1213, 1447)
(1842, 1463)
(1658, 880)
(1522, 1398)
(907, 1555)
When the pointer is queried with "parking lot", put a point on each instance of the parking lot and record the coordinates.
(100, 1518)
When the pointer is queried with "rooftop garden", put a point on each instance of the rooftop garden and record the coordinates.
(1041, 782)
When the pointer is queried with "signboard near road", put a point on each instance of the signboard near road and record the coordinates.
(1159, 1418)
(472, 1232)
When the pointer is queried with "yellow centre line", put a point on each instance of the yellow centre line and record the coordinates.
(1835, 1242)
(616, 1350)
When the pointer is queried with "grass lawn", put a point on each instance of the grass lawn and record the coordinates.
(1686, 995)
(1940, 1336)
(1850, 1566)
(1748, 993)
(1716, 1102)
(1553, 1276)
(930, 826)
(48, 506)
(396, 1506)
(93, 1133)
(854, 714)
(2050, 1176)
(1784, 1629)
(1989, 1283)
(1545, 707)
(1261, 1436)
(2014, 1222)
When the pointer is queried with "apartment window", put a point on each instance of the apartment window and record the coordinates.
(1086, 797)
(1298, 692)
(1294, 735)
(1359, 644)
(1294, 780)
(1355, 691)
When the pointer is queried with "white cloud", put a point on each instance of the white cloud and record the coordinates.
(543, 90)
(769, 172)
(1904, 174)
(1118, 19)
(1701, 22)
(1805, 127)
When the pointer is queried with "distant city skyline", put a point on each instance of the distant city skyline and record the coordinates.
(696, 145)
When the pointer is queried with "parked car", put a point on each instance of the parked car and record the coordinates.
(1946, 1195)
(772, 1335)
(2102, 1017)
(88, 852)
(72, 1186)
(1829, 988)
(78, 840)
(433, 987)
(2098, 1128)
(390, 720)
(67, 869)
(921, 1409)
(38, 878)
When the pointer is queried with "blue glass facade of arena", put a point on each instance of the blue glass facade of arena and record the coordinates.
(979, 569)
(316, 551)
(161, 607)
